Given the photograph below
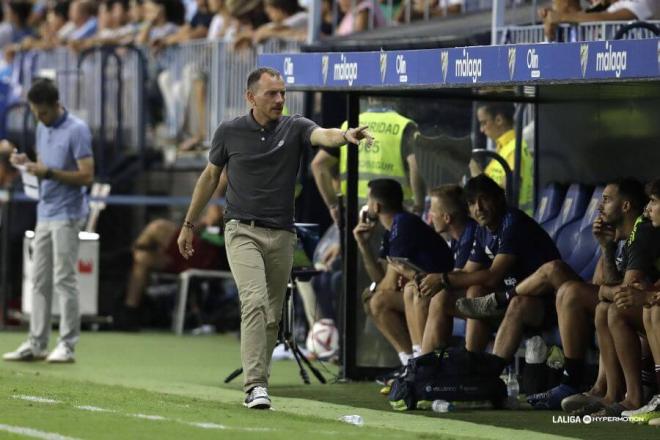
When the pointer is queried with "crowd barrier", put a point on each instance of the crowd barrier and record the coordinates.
(606, 30)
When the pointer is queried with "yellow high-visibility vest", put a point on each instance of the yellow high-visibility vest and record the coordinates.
(383, 158)
(506, 147)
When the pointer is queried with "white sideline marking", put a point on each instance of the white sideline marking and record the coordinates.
(206, 425)
(148, 417)
(34, 398)
(93, 408)
(35, 433)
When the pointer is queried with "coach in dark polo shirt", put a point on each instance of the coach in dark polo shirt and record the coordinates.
(260, 153)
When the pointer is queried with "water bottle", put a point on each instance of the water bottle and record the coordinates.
(353, 420)
(512, 390)
(441, 406)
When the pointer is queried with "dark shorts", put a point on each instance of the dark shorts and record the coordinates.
(207, 256)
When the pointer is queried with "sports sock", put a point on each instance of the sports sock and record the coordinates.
(417, 350)
(500, 363)
(504, 298)
(573, 369)
(404, 357)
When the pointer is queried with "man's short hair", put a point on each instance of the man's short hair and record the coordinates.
(632, 190)
(504, 109)
(388, 193)
(22, 10)
(653, 188)
(43, 91)
(484, 185)
(254, 76)
(453, 199)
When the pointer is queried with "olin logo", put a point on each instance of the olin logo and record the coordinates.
(512, 62)
(345, 71)
(325, 61)
(533, 63)
(611, 61)
(288, 70)
(584, 58)
(467, 67)
(444, 64)
(401, 68)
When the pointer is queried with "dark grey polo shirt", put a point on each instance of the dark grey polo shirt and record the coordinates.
(262, 165)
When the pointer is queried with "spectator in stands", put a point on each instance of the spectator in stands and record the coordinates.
(358, 15)
(391, 151)
(197, 28)
(161, 19)
(15, 27)
(412, 10)
(406, 236)
(156, 249)
(508, 247)
(496, 122)
(114, 26)
(288, 21)
(82, 14)
(249, 15)
(631, 296)
(64, 164)
(609, 10)
(450, 217)
(222, 20)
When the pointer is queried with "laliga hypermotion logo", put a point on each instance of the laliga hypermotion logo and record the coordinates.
(444, 64)
(345, 71)
(512, 62)
(584, 58)
(383, 65)
(325, 62)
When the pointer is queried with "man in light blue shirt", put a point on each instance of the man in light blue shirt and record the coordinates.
(65, 166)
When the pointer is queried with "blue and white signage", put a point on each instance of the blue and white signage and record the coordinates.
(470, 66)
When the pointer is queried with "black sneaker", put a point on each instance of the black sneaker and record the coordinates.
(387, 378)
(257, 398)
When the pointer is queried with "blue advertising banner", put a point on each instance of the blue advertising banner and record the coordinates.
(527, 64)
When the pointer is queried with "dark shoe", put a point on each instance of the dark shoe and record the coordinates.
(257, 398)
(552, 398)
(578, 401)
(387, 378)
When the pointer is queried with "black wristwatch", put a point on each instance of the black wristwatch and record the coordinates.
(48, 174)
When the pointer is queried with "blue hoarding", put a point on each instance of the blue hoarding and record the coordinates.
(471, 66)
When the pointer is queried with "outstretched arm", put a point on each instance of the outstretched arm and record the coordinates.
(334, 137)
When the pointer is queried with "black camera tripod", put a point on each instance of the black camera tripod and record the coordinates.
(285, 333)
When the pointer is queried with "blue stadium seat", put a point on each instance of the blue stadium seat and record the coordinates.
(550, 201)
(572, 209)
(584, 248)
(588, 272)
(459, 327)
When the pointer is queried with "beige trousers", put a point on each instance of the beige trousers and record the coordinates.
(260, 260)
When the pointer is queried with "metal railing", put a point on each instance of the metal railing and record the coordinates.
(606, 30)
(107, 87)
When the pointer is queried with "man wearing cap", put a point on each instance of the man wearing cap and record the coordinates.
(261, 154)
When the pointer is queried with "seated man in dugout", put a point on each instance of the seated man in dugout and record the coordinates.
(508, 247)
(577, 304)
(406, 236)
(451, 219)
(156, 250)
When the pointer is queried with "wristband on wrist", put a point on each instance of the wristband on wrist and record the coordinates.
(189, 225)
(445, 279)
(48, 174)
(344, 136)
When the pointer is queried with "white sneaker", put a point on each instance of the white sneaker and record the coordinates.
(61, 355)
(25, 352)
(257, 398)
(653, 405)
